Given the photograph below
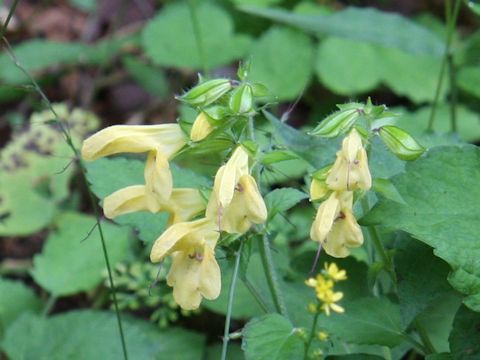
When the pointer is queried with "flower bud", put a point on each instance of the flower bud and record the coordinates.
(401, 143)
(337, 123)
(241, 101)
(201, 128)
(207, 92)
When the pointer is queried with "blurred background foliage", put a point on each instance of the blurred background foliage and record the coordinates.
(122, 62)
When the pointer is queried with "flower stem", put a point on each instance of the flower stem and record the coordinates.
(424, 337)
(231, 293)
(312, 334)
(270, 273)
(380, 249)
(451, 19)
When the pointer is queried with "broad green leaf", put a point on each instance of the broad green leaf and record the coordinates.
(465, 337)
(385, 188)
(280, 200)
(150, 78)
(355, 357)
(349, 67)
(442, 195)
(362, 24)
(72, 259)
(468, 80)
(271, 337)
(88, 334)
(422, 277)
(16, 299)
(169, 38)
(367, 321)
(282, 59)
(235, 352)
(278, 156)
(441, 356)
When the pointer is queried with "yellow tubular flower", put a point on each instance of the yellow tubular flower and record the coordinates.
(335, 227)
(160, 141)
(165, 138)
(236, 202)
(182, 205)
(318, 189)
(194, 272)
(202, 127)
(350, 170)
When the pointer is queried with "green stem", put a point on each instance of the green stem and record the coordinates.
(451, 22)
(255, 295)
(9, 17)
(49, 305)
(68, 139)
(231, 293)
(312, 335)
(453, 94)
(380, 249)
(192, 6)
(424, 337)
(270, 273)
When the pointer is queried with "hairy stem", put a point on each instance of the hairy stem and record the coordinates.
(231, 294)
(312, 335)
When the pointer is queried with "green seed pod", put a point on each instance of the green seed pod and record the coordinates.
(401, 143)
(337, 123)
(206, 93)
(241, 101)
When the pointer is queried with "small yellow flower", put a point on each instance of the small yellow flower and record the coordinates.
(350, 171)
(236, 202)
(194, 272)
(325, 294)
(183, 205)
(202, 127)
(329, 299)
(161, 142)
(335, 227)
(334, 273)
(322, 335)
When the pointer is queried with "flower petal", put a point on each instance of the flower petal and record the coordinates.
(127, 200)
(158, 179)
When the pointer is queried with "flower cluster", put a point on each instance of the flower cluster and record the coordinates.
(194, 226)
(323, 284)
(335, 226)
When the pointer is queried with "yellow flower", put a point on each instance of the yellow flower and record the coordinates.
(350, 170)
(201, 128)
(236, 202)
(182, 205)
(194, 272)
(334, 272)
(318, 189)
(329, 300)
(322, 335)
(161, 142)
(335, 227)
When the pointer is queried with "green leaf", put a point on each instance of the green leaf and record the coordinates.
(468, 79)
(348, 67)
(85, 5)
(70, 261)
(282, 60)
(16, 299)
(280, 200)
(87, 334)
(442, 356)
(416, 292)
(362, 24)
(465, 337)
(271, 337)
(474, 5)
(385, 188)
(278, 156)
(169, 38)
(150, 78)
(367, 321)
(355, 357)
(442, 195)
